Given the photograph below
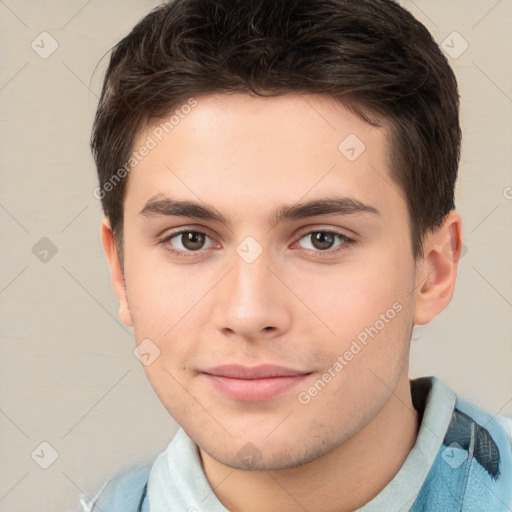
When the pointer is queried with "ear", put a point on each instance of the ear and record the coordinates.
(437, 271)
(116, 272)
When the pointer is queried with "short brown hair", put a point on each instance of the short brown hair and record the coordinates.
(371, 55)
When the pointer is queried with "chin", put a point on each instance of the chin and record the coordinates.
(264, 455)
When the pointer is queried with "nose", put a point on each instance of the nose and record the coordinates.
(252, 302)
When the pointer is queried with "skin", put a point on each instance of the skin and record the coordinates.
(247, 157)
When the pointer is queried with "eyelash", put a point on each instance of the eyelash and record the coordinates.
(346, 242)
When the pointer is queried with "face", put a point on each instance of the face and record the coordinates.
(275, 307)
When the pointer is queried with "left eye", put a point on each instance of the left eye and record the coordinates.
(325, 240)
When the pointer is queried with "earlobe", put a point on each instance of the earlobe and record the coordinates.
(116, 272)
(437, 271)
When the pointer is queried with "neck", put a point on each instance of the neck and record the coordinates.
(341, 481)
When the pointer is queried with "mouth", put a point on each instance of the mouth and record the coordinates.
(253, 384)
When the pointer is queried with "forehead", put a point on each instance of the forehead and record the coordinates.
(227, 146)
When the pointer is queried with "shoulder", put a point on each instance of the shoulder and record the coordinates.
(480, 442)
(123, 492)
(491, 432)
(506, 423)
(499, 427)
(473, 465)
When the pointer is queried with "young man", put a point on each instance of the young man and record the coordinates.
(278, 186)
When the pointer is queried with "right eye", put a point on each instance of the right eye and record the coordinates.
(187, 241)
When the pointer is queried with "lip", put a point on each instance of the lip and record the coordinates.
(253, 384)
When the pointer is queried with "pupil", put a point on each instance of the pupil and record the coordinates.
(193, 240)
(323, 240)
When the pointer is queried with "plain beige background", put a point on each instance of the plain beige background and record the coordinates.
(69, 376)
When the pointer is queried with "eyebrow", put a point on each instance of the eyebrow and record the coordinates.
(165, 206)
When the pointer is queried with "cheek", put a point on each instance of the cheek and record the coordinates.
(363, 366)
(348, 300)
(162, 298)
